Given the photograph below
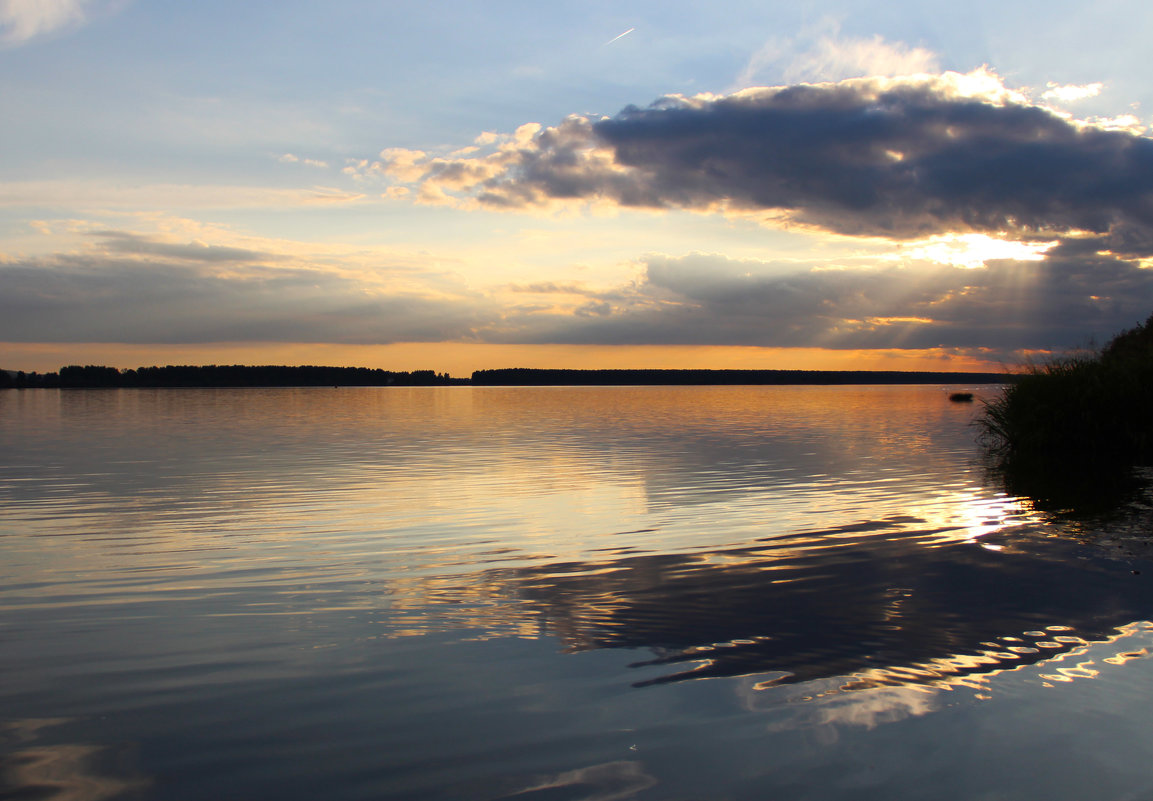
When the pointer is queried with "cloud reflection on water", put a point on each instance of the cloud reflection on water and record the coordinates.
(58, 771)
(668, 520)
(879, 608)
(400, 567)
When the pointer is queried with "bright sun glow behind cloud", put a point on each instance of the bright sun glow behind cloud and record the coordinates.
(972, 251)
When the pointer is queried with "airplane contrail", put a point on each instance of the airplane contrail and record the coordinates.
(620, 36)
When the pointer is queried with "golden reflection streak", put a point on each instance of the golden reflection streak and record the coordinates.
(1127, 656)
(871, 705)
(949, 673)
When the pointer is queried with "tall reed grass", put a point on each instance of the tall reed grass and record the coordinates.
(1078, 414)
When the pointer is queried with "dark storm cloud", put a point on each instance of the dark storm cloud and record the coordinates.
(904, 162)
(1061, 302)
(893, 157)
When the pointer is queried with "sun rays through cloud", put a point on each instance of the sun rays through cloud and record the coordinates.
(834, 187)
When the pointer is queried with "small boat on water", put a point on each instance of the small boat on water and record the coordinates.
(961, 397)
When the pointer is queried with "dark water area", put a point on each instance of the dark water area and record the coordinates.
(554, 593)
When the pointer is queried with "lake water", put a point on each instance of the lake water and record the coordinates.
(553, 593)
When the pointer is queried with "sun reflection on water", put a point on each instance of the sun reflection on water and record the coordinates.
(834, 557)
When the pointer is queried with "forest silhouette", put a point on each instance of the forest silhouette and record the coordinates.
(96, 376)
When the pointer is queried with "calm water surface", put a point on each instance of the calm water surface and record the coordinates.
(552, 593)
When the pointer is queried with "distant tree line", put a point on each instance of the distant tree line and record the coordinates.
(94, 376)
(537, 377)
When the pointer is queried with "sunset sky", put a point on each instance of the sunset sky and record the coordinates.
(465, 185)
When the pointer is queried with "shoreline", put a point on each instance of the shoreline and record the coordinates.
(184, 377)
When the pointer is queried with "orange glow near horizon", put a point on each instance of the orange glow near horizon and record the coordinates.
(461, 360)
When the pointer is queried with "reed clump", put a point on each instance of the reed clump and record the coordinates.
(1078, 414)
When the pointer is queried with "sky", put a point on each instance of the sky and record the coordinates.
(461, 185)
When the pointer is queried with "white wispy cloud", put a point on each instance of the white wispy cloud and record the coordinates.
(292, 158)
(825, 55)
(103, 194)
(24, 20)
(1072, 92)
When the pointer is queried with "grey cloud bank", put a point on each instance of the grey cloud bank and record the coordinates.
(162, 296)
(171, 296)
(124, 242)
(1061, 302)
